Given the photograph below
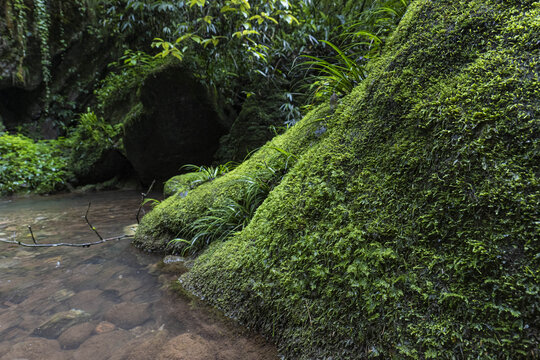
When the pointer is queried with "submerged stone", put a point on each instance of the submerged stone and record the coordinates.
(35, 349)
(128, 315)
(60, 322)
(76, 335)
(104, 327)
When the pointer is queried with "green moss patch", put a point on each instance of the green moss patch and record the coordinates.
(182, 183)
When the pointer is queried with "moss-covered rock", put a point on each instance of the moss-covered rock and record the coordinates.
(251, 129)
(172, 217)
(175, 124)
(410, 230)
(182, 183)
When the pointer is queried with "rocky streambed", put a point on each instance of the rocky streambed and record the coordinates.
(104, 302)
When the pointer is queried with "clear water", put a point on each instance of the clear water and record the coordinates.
(108, 301)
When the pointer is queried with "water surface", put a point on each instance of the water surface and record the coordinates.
(108, 301)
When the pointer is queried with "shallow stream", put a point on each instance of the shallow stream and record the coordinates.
(108, 301)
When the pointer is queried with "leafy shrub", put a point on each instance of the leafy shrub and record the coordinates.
(361, 40)
(125, 77)
(26, 165)
(89, 139)
(339, 76)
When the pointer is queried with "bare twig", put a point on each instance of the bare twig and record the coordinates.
(88, 222)
(88, 244)
(32, 233)
(143, 197)
(65, 244)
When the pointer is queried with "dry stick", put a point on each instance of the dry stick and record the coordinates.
(32, 233)
(101, 239)
(143, 197)
(64, 244)
(88, 222)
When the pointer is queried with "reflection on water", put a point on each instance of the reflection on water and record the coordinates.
(104, 302)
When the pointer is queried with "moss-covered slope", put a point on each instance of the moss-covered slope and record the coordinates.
(172, 217)
(410, 230)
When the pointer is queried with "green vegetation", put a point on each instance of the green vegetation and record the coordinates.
(43, 23)
(232, 215)
(235, 46)
(209, 173)
(89, 140)
(398, 219)
(46, 166)
(124, 79)
(244, 53)
(174, 216)
(197, 176)
(409, 228)
(26, 165)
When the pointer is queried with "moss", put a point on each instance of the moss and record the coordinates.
(181, 183)
(251, 129)
(170, 219)
(410, 229)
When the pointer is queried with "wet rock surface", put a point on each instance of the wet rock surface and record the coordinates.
(75, 335)
(60, 322)
(102, 303)
(187, 347)
(128, 315)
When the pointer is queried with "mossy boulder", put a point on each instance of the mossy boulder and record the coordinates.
(175, 124)
(182, 183)
(172, 217)
(410, 228)
(251, 129)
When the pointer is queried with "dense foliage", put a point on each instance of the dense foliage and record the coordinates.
(238, 49)
(254, 48)
(27, 165)
(397, 219)
(407, 229)
(89, 140)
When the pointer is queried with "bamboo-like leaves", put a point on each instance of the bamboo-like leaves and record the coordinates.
(339, 74)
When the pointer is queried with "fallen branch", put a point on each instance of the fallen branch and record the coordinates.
(143, 197)
(88, 222)
(32, 233)
(65, 244)
(88, 244)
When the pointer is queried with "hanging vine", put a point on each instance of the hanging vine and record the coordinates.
(16, 16)
(43, 21)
